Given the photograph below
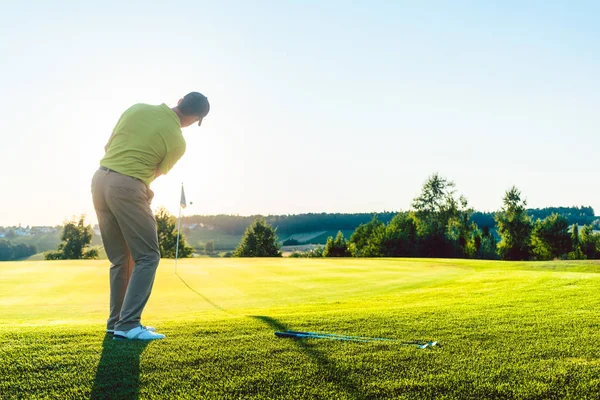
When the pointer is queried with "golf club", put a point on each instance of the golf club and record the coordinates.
(332, 336)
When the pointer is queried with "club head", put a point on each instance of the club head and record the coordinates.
(429, 344)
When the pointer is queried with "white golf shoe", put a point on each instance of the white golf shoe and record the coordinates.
(149, 328)
(139, 333)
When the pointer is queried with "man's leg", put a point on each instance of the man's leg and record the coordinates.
(120, 273)
(116, 249)
(128, 200)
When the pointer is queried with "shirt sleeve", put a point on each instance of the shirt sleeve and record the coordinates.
(171, 159)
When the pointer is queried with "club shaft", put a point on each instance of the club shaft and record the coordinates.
(334, 336)
(341, 336)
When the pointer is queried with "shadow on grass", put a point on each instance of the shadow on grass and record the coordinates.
(118, 372)
(330, 372)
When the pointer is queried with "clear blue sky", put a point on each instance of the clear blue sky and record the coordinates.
(316, 105)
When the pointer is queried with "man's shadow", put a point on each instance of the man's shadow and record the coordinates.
(118, 372)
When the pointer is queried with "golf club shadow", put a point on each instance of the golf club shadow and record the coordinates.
(330, 372)
(118, 372)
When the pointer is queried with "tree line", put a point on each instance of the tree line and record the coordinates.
(315, 222)
(10, 251)
(440, 224)
(299, 223)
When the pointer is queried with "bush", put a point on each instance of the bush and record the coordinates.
(260, 240)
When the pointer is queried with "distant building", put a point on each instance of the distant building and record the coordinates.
(199, 226)
(40, 230)
(23, 232)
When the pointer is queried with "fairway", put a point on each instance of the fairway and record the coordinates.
(522, 330)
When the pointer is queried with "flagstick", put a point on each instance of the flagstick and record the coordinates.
(181, 203)
(177, 246)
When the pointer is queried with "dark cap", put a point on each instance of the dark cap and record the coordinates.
(194, 103)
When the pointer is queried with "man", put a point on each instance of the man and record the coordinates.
(146, 143)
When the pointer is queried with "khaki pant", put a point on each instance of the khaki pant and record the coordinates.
(129, 235)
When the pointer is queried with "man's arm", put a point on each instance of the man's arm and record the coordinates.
(169, 161)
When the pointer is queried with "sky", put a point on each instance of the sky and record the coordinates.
(316, 106)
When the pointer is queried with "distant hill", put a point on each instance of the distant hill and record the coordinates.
(575, 215)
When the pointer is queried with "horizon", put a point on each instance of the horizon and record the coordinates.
(283, 215)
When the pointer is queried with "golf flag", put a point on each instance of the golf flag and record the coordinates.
(182, 201)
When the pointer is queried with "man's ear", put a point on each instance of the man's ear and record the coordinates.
(179, 102)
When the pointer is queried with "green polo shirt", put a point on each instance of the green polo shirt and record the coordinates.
(147, 138)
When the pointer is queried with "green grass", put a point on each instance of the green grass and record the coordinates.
(508, 330)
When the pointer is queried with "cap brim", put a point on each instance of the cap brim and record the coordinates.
(200, 122)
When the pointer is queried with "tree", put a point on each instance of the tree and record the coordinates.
(485, 243)
(550, 238)
(259, 240)
(576, 254)
(365, 241)
(22, 250)
(464, 235)
(589, 242)
(400, 236)
(76, 238)
(167, 236)
(435, 205)
(209, 247)
(8, 251)
(514, 227)
(337, 247)
(442, 219)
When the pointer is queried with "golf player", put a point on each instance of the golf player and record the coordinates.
(146, 143)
